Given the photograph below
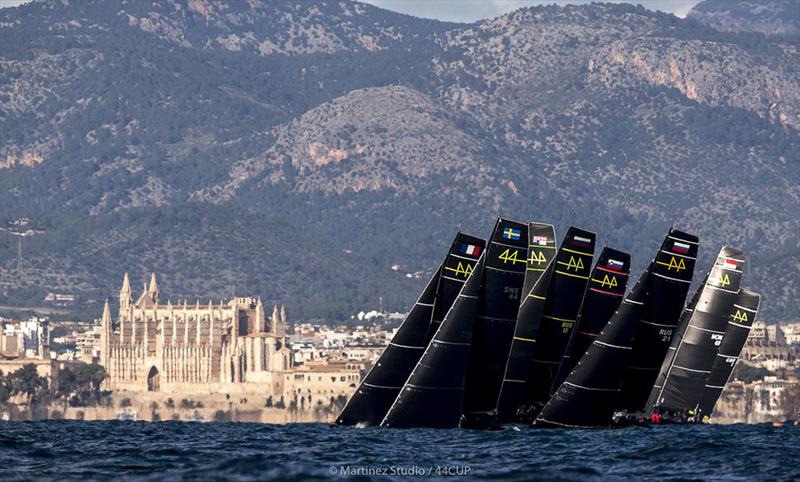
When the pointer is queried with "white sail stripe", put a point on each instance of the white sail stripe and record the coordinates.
(683, 240)
(657, 324)
(454, 279)
(546, 361)
(727, 356)
(613, 346)
(424, 304)
(677, 254)
(495, 318)
(716, 386)
(467, 296)
(381, 386)
(673, 279)
(462, 257)
(748, 328)
(690, 369)
(722, 289)
(433, 388)
(451, 342)
(745, 308)
(633, 302)
(411, 347)
(504, 270)
(705, 329)
(592, 389)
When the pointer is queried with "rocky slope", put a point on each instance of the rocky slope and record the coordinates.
(301, 150)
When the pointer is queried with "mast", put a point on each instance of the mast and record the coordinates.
(433, 394)
(606, 289)
(589, 395)
(683, 374)
(503, 277)
(672, 270)
(383, 382)
(538, 272)
(740, 323)
(570, 278)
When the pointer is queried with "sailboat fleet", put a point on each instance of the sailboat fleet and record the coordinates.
(519, 330)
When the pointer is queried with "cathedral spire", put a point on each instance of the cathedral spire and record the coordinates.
(125, 294)
(106, 322)
(153, 289)
(283, 313)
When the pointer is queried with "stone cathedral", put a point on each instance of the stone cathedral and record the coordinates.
(193, 348)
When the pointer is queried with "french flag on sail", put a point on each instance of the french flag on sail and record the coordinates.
(470, 249)
(679, 247)
(615, 265)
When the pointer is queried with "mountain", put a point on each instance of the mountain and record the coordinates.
(770, 17)
(324, 154)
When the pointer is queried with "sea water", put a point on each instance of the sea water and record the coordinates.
(74, 450)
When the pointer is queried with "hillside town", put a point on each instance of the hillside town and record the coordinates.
(231, 361)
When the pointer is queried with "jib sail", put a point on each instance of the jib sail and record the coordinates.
(683, 374)
(383, 382)
(503, 276)
(589, 395)
(671, 275)
(603, 296)
(434, 392)
(740, 323)
(538, 271)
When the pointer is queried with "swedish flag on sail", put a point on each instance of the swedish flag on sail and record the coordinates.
(511, 233)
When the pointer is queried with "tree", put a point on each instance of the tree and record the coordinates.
(26, 381)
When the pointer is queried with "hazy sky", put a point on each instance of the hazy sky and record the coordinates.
(471, 10)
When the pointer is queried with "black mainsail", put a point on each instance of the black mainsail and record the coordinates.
(680, 383)
(571, 271)
(740, 323)
(434, 392)
(383, 382)
(671, 275)
(603, 296)
(538, 272)
(503, 277)
(589, 395)
(457, 266)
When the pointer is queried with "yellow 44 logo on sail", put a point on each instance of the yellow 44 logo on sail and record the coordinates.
(537, 257)
(510, 256)
(608, 281)
(573, 264)
(674, 262)
(462, 269)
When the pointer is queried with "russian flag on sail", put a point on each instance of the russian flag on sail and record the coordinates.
(470, 249)
(679, 247)
(581, 241)
(615, 265)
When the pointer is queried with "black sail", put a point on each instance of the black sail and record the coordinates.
(571, 271)
(503, 277)
(457, 266)
(589, 395)
(740, 323)
(672, 271)
(603, 296)
(682, 378)
(434, 392)
(538, 272)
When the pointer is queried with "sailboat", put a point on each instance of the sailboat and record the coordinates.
(682, 378)
(379, 388)
(589, 395)
(433, 394)
(604, 294)
(568, 283)
(671, 272)
(503, 277)
(538, 272)
(740, 323)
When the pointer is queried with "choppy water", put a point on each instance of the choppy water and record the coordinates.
(72, 450)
